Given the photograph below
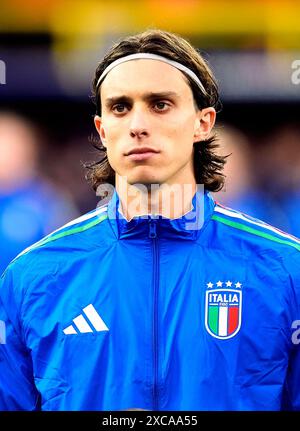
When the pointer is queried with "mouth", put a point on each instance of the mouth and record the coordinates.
(140, 154)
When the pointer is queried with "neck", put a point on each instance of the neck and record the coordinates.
(170, 201)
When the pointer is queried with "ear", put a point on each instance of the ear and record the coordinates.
(204, 123)
(100, 129)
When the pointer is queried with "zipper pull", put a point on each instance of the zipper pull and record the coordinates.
(152, 229)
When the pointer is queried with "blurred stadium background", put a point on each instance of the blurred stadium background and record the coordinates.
(48, 53)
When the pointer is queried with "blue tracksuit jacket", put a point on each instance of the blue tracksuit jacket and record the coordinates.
(195, 313)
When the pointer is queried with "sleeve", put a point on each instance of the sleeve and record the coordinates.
(291, 396)
(17, 389)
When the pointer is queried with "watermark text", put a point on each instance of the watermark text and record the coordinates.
(157, 200)
(296, 333)
(2, 332)
(295, 77)
(2, 72)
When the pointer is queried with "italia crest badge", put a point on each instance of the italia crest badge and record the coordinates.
(223, 309)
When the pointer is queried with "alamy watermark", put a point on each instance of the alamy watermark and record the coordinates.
(295, 77)
(169, 201)
(296, 333)
(2, 72)
(2, 332)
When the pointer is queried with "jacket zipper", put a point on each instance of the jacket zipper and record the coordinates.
(153, 236)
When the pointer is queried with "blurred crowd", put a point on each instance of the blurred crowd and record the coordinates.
(42, 187)
(263, 178)
(31, 206)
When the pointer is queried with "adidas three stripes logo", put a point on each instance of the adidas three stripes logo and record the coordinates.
(93, 322)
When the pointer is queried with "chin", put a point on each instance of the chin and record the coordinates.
(146, 178)
(143, 179)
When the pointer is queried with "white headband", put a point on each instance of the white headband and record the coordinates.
(143, 55)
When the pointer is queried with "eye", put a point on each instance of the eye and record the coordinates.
(119, 108)
(161, 106)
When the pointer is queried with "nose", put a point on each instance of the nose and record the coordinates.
(138, 123)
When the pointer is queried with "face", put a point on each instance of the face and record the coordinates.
(149, 123)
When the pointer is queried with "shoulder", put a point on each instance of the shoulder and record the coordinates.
(254, 234)
(72, 236)
(38, 273)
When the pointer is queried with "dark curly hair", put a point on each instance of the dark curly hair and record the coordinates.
(208, 165)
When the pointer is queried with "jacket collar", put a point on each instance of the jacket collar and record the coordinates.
(188, 226)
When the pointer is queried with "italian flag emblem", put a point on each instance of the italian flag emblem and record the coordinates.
(223, 310)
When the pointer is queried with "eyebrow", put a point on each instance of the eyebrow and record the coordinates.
(109, 101)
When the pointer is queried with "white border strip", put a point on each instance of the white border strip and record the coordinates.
(262, 224)
(82, 218)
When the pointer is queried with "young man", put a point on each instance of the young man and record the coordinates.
(162, 299)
